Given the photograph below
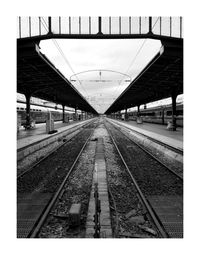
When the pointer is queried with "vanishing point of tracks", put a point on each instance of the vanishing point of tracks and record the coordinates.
(155, 190)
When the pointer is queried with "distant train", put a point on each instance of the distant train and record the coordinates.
(39, 113)
(159, 114)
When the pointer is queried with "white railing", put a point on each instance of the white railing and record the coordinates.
(38, 26)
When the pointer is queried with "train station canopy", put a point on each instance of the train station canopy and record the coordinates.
(162, 77)
(38, 77)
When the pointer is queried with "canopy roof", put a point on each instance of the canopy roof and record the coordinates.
(38, 77)
(158, 80)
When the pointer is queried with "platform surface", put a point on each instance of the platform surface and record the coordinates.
(26, 137)
(157, 132)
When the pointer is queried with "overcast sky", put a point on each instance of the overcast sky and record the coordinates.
(125, 56)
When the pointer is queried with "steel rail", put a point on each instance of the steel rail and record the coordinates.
(178, 150)
(150, 154)
(51, 152)
(46, 138)
(141, 195)
(59, 193)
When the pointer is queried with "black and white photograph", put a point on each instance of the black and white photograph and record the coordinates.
(100, 127)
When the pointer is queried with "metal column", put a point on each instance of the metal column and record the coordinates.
(163, 116)
(138, 112)
(63, 117)
(150, 25)
(174, 95)
(76, 113)
(126, 117)
(49, 24)
(99, 24)
(28, 117)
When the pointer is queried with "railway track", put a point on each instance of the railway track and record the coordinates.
(160, 190)
(105, 193)
(176, 167)
(39, 188)
(37, 156)
(135, 206)
(177, 150)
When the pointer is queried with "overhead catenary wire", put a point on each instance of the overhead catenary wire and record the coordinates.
(131, 64)
(139, 50)
(67, 62)
(134, 59)
(69, 65)
(63, 55)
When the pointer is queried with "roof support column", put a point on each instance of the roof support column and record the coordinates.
(99, 23)
(150, 25)
(139, 118)
(49, 24)
(138, 112)
(82, 115)
(174, 95)
(76, 118)
(126, 115)
(63, 113)
(28, 117)
(163, 116)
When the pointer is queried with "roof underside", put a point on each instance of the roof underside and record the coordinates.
(158, 80)
(38, 77)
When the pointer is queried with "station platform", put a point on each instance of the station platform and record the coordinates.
(28, 137)
(157, 132)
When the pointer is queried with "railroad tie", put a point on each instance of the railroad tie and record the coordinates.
(99, 177)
